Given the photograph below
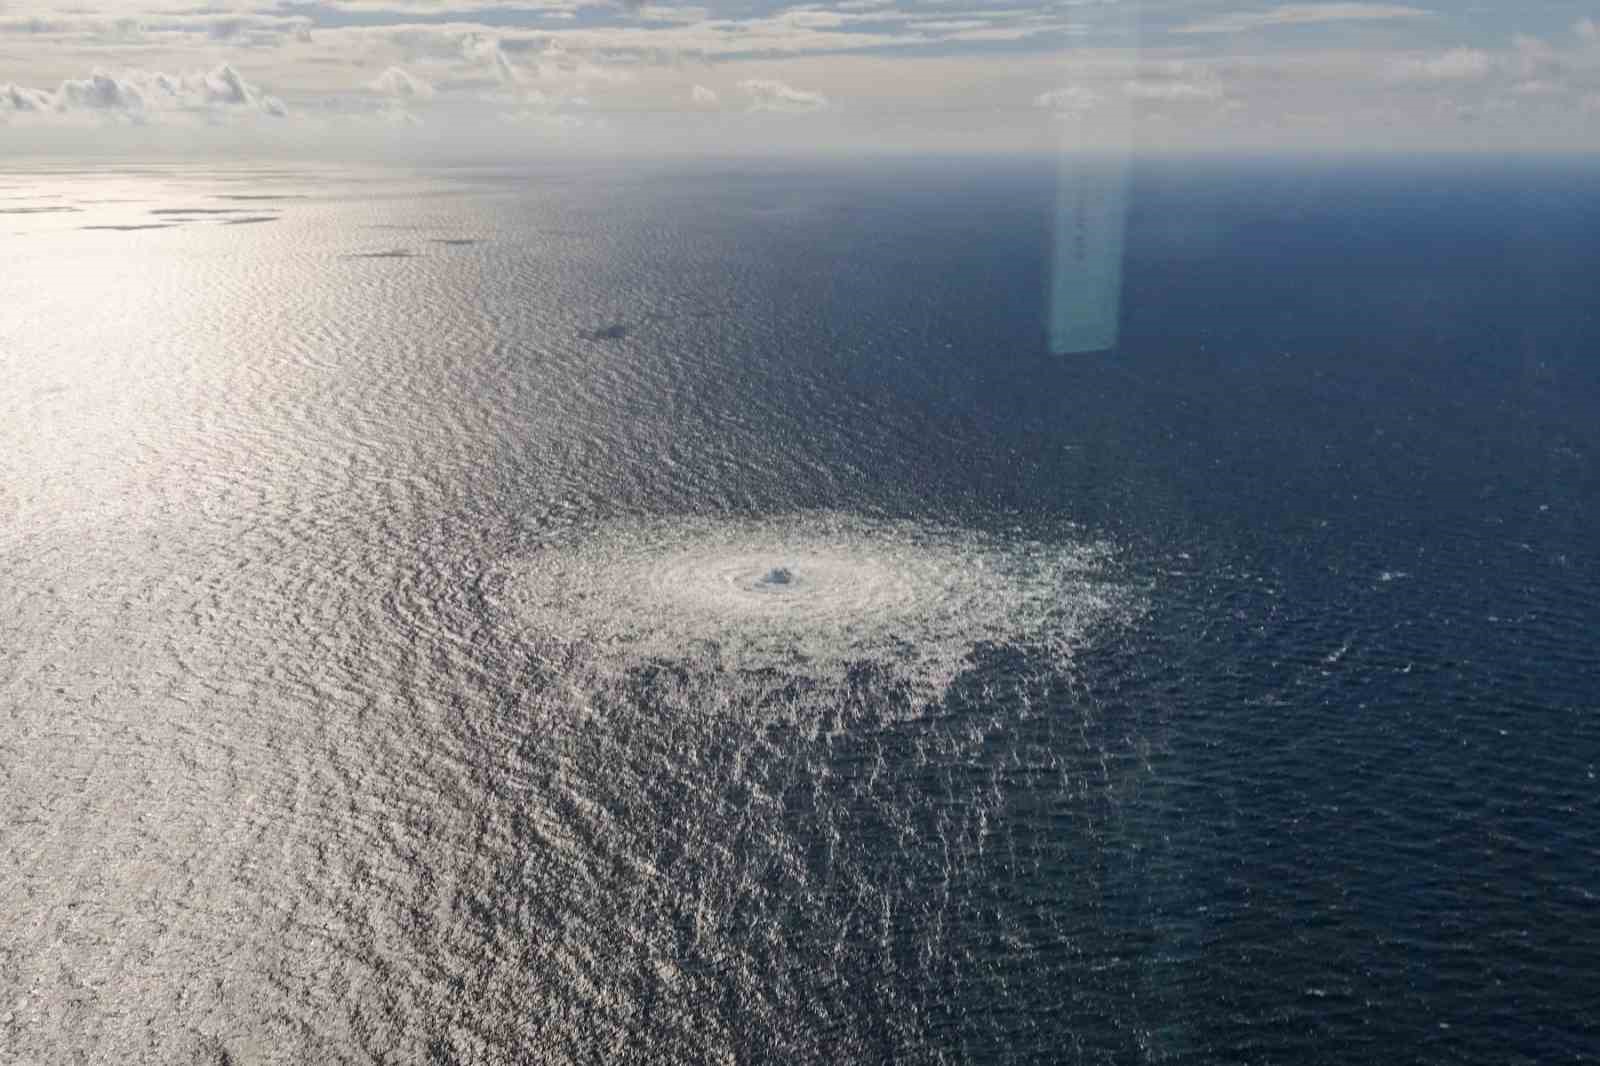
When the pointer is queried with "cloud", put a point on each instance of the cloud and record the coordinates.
(1175, 83)
(767, 94)
(1458, 64)
(559, 66)
(19, 98)
(1301, 15)
(1173, 91)
(86, 29)
(934, 72)
(1070, 100)
(305, 39)
(222, 86)
(144, 96)
(257, 30)
(1536, 87)
(487, 50)
(397, 83)
(99, 92)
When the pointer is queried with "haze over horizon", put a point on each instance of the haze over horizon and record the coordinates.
(441, 78)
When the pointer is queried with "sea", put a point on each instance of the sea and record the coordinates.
(683, 612)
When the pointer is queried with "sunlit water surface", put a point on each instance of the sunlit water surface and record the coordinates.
(652, 615)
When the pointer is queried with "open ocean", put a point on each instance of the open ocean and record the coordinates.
(682, 614)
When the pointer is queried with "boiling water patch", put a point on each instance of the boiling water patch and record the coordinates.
(813, 596)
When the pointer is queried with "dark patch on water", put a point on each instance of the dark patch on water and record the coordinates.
(392, 253)
(614, 332)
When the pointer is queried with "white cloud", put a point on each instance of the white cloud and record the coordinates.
(487, 51)
(1073, 99)
(1456, 65)
(397, 115)
(1302, 15)
(547, 120)
(559, 66)
(676, 14)
(21, 98)
(914, 72)
(1175, 83)
(1173, 91)
(443, 7)
(1534, 55)
(143, 96)
(401, 85)
(1536, 88)
(304, 54)
(767, 94)
(80, 27)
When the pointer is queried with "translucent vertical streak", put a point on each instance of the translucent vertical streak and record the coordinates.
(1091, 197)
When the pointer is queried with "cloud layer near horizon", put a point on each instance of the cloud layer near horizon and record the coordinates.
(964, 74)
(142, 96)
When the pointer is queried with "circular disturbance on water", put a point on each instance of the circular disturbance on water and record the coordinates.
(812, 594)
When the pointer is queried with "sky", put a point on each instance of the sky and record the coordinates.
(441, 78)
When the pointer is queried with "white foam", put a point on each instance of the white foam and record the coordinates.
(811, 594)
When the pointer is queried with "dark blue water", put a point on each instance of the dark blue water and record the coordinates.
(295, 773)
(1353, 427)
(1363, 402)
